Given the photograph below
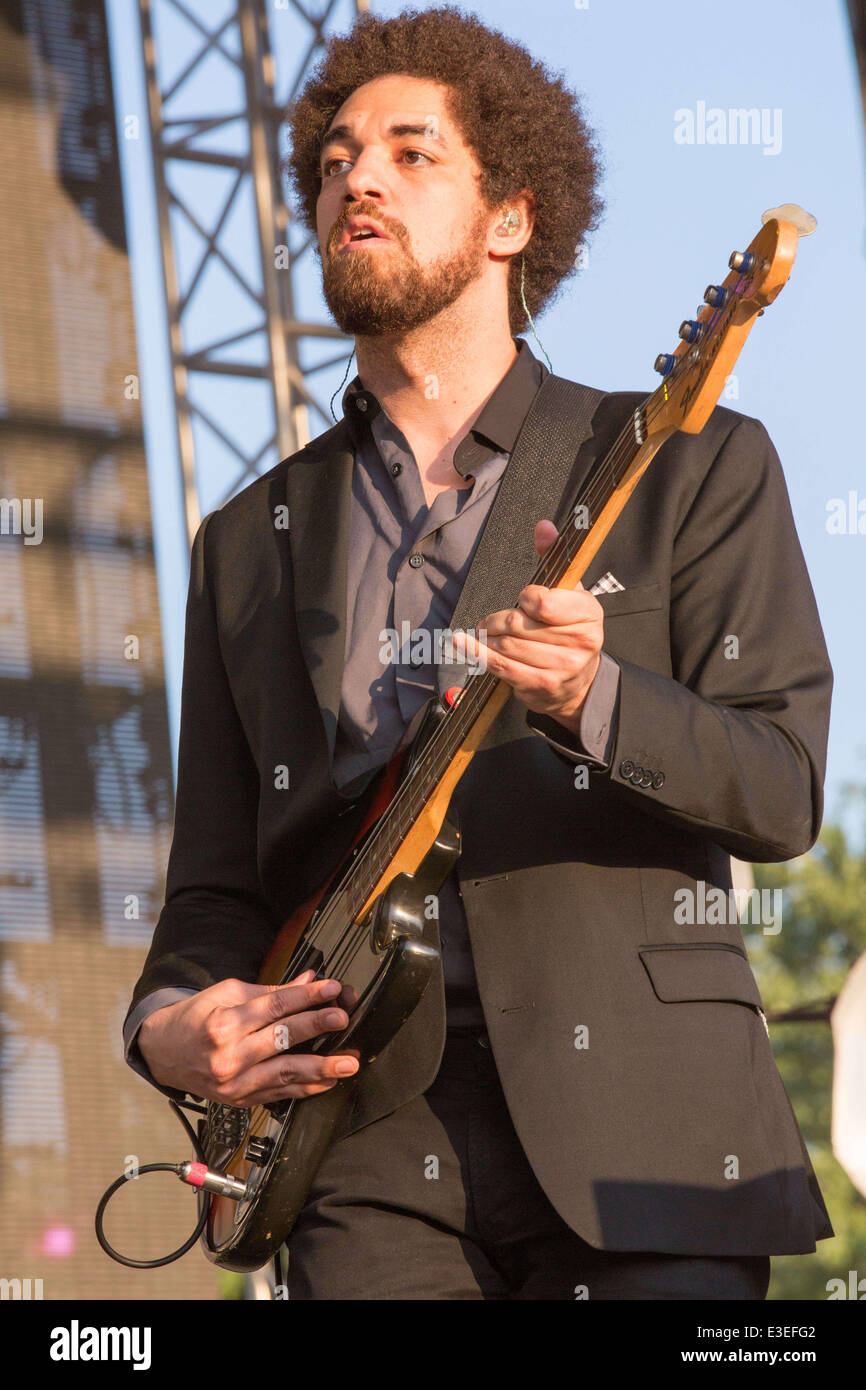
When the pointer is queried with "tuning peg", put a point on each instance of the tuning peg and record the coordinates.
(691, 330)
(743, 261)
(664, 363)
(716, 295)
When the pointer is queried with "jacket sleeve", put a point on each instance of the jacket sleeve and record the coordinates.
(733, 744)
(215, 923)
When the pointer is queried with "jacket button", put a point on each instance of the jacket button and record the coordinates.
(647, 778)
(637, 775)
(416, 561)
(658, 781)
(626, 769)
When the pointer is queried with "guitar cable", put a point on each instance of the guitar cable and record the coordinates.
(197, 1175)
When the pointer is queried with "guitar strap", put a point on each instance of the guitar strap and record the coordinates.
(557, 424)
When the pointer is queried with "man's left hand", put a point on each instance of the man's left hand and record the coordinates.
(548, 648)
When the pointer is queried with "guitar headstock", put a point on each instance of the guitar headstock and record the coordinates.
(695, 373)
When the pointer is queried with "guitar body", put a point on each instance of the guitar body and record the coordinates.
(276, 1149)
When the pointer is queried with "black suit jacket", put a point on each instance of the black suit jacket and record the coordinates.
(668, 1127)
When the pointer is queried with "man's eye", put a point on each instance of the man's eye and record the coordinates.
(328, 168)
(417, 154)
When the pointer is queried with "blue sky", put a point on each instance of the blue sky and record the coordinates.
(674, 212)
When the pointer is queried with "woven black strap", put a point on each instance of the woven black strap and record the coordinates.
(558, 422)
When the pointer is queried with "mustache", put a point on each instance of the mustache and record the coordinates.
(366, 209)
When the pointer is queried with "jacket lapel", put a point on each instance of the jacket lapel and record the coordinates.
(319, 495)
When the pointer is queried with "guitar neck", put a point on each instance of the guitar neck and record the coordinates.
(409, 827)
(693, 378)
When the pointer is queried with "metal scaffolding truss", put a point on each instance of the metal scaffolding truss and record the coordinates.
(245, 361)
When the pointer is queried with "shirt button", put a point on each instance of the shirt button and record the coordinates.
(396, 470)
(361, 403)
(416, 561)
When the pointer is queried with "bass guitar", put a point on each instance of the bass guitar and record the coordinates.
(367, 925)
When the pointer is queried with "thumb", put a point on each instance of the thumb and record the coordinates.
(545, 534)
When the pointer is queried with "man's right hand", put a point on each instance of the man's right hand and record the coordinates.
(228, 1042)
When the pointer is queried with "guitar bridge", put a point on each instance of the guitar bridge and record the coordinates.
(224, 1129)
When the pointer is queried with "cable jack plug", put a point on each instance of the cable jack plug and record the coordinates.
(199, 1175)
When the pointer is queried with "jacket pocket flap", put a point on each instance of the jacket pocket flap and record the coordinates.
(698, 971)
(636, 598)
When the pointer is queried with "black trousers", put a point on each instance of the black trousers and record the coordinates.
(438, 1201)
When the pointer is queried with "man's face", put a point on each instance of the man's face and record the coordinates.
(394, 163)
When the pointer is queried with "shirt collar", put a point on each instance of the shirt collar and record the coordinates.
(498, 423)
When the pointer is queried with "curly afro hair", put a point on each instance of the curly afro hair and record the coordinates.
(524, 126)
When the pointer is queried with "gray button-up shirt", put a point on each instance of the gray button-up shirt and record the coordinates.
(407, 566)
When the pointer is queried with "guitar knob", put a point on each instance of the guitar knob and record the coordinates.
(664, 363)
(743, 261)
(717, 296)
(258, 1149)
(691, 330)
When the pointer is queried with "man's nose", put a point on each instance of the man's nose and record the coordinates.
(365, 179)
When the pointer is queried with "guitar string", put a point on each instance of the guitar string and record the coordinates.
(444, 740)
(400, 817)
(391, 832)
(563, 547)
(604, 473)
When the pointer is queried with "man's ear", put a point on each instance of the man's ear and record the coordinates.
(513, 225)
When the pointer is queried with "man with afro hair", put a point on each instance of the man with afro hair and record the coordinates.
(584, 1103)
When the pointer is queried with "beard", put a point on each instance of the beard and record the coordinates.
(372, 299)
